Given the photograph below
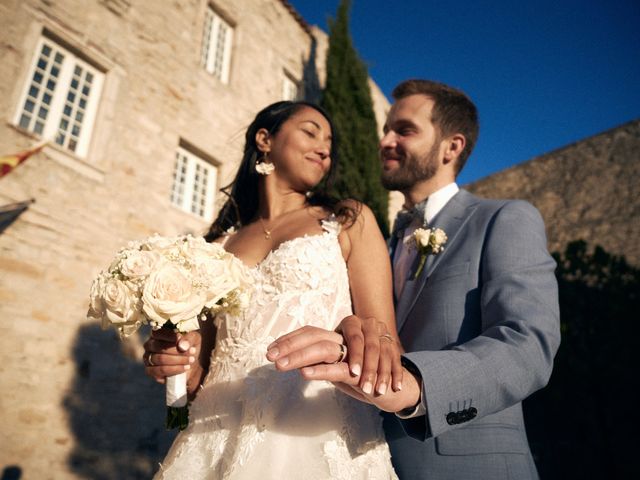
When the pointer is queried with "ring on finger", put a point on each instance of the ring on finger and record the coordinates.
(151, 364)
(387, 336)
(343, 353)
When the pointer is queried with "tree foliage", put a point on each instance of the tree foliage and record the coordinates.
(576, 427)
(347, 98)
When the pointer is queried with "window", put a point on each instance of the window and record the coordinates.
(61, 97)
(194, 184)
(290, 89)
(216, 45)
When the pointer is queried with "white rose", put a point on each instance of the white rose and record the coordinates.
(97, 308)
(212, 275)
(195, 248)
(439, 236)
(120, 303)
(139, 264)
(422, 236)
(168, 294)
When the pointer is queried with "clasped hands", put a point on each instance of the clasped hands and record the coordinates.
(370, 367)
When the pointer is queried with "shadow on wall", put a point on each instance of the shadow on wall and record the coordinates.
(582, 425)
(115, 411)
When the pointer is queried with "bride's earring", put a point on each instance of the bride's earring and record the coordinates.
(264, 167)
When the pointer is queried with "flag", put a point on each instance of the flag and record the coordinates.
(8, 213)
(9, 162)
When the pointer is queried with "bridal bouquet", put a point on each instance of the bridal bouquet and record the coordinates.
(168, 282)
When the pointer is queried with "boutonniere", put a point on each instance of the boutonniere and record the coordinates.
(428, 241)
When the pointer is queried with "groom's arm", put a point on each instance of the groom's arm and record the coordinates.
(519, 315)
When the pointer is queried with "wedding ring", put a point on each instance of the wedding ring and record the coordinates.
(343, 353)
(387, 336)
(151, 364)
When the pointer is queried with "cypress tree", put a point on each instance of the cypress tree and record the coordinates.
(347, 98)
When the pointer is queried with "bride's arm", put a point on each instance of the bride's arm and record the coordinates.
(370, 282)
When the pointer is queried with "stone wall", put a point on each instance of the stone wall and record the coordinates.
(587, 190)
(75, 401)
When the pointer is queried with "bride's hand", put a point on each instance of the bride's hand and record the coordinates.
(373, 356)
(168, 353)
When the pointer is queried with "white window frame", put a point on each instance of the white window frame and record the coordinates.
(217, 40)
(189, 193)
(60, 107)
(290, 88)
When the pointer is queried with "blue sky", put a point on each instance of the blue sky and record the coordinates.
(543, 73)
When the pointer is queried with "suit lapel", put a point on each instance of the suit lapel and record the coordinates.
(450, 219)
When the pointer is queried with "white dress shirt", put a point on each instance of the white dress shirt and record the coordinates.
(405, 252)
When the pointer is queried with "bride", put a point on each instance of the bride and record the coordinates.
(312, 261)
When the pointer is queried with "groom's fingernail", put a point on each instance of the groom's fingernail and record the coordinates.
(367, 388)
(283, 362)
(307, 370)
(356, 370)
(273, 353)
(273, 344)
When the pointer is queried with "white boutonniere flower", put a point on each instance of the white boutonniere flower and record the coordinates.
(428, 242)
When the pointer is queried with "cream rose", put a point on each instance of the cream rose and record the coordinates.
(120, 304)
(138, 264)
(169, 294)
(422, 236)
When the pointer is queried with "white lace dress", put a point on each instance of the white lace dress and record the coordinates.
(252, 422)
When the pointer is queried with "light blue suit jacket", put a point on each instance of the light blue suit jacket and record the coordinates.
(481, 324)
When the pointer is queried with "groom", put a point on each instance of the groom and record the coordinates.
(479, 321)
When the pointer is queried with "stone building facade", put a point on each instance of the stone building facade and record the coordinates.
(135, 98)
(585, 191)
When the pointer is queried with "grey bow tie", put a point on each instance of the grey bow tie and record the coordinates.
(405, 217)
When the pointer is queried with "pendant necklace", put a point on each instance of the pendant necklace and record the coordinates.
(267, 232)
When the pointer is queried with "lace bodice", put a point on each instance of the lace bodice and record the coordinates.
(251, 421)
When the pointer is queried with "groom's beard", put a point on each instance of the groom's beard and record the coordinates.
(412, 170)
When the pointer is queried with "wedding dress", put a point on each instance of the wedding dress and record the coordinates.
(250, 421)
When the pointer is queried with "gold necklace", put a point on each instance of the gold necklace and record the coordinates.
(267, 232)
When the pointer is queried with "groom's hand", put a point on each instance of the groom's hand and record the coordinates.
(373, 350)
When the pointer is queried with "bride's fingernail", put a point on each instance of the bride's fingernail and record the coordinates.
(356, 370)
(283, 362)
(398, 386)
(192, 350)
(183, 345)
(382, 388)
(273, 353)
(187, 367)
(367, 388)
(192, 359)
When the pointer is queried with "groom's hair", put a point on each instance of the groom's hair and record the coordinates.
(453, 111)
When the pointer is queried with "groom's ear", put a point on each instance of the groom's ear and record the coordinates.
(454, 145)
(263, 140)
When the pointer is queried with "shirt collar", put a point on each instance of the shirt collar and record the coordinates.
(438, 199)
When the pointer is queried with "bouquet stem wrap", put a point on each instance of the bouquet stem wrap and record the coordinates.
(176, 399)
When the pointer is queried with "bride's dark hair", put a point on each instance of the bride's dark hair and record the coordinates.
(242, 205)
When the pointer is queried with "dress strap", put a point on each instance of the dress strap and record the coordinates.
(331, 225)
(227, 235)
